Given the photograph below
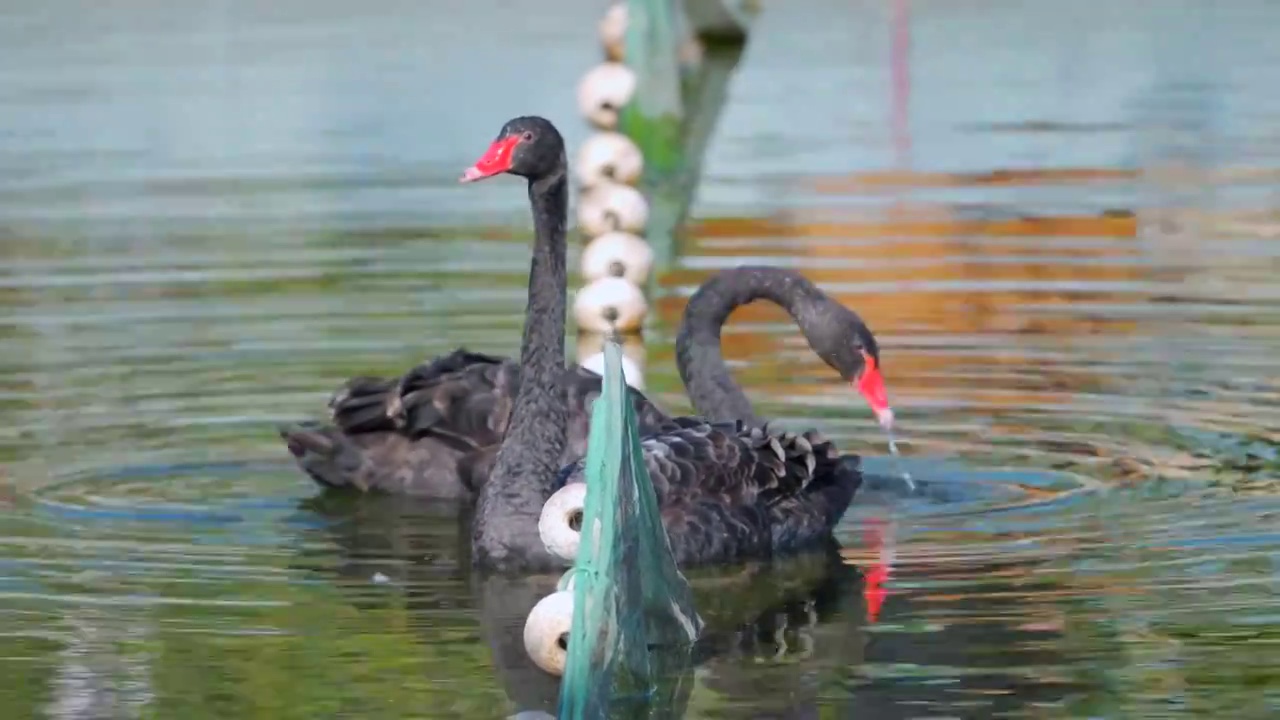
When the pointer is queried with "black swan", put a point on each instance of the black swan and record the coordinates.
(727, 491)
(435, 430)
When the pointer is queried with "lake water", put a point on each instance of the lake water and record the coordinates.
(212, 213)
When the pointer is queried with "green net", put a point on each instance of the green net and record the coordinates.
(633, 617)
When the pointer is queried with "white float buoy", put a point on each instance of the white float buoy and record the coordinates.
(613, 38)
(609, 207)
(690, 51)
(617, 254)
(604, 91)
(610, 302)
(631, 371)
(560, 514)
(613, 31)
(590, 344)
(546, 632)
(608, 157)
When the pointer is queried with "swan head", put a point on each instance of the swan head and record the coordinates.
(845, 343)
(527, 146)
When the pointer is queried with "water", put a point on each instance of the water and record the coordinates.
(211, 216)
(907, 480)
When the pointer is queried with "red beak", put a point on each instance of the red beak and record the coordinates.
(496, 160)
(871, 386)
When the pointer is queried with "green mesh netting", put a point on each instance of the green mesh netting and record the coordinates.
(633, 617)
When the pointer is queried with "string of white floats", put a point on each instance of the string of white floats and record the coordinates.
(615, 264)
(612, 214)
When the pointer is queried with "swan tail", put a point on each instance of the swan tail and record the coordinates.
(386, 462)
(788, 464)
(326, 456)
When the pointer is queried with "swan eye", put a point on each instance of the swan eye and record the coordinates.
(527, 135)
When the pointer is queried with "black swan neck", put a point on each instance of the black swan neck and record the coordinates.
(505, 532)
(711, 387)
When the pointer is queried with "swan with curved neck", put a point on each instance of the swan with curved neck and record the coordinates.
(834, 332)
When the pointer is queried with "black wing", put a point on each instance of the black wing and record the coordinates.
(441, 420)
(728, 491)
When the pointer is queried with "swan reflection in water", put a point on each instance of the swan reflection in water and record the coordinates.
(773, 628)
(783, 639)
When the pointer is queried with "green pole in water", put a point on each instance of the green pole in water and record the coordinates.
(634, 623)
(654, 118)
(678, 98)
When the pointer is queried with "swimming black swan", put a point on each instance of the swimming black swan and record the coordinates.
(435, 430)
(727, 491)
